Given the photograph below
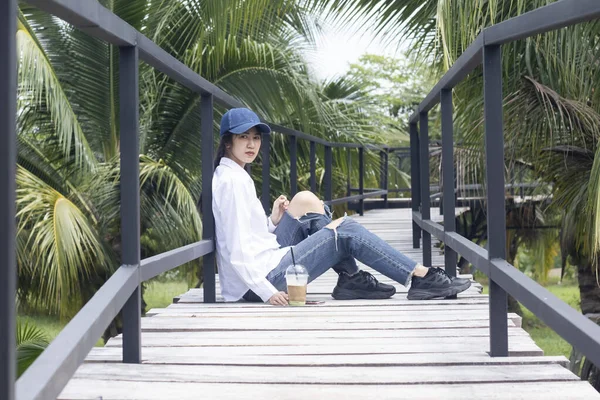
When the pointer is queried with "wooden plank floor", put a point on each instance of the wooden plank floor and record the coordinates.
(361, 349)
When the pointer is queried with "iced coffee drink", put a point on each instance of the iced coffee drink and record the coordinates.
(297, 280)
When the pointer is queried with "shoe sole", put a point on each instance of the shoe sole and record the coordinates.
(347, 294)
(428, 294)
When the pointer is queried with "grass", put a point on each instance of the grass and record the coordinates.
(548, 340)
(157, 295)
(545, 337)
(51, 325)
(160, 294)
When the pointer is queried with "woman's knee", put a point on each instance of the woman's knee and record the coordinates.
(305, 202)
(334, 224)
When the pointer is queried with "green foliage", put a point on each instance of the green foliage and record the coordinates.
(548, 340)
(393, 86)
(545, 337)
(541, 258)
(551, 113)
(413, 19)
(58, 247)
(160, 293)
(31, 342)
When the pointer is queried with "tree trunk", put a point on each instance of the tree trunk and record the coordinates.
(590, 306)
(588, 288)
(511, 252)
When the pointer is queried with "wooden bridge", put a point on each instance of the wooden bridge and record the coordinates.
(466, 348)
(381, 349)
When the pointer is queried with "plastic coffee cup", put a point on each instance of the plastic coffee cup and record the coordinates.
(296, 277)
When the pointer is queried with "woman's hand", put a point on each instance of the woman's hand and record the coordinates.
(279, 299)
(279, 206)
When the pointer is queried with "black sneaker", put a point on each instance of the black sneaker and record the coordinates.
(460, 281)
(361, 285)
(436, 284)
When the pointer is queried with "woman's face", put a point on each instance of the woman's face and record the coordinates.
(245, 147)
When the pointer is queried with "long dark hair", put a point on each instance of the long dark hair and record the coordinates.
(226, 140)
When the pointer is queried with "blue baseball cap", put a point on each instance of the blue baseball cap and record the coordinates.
(239, 120)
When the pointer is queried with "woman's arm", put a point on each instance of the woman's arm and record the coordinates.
(279, 206)
(233, 214)
(270, 225)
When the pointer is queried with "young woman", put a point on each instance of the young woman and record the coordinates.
(253, 250)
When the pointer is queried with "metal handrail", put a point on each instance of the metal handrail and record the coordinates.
(358, 197)
(504, 278)
(544, 19)
(478, 186)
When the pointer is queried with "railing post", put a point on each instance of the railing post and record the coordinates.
(266, 173)
(293, 165)
(455, 184)
(130, 195)
(313, 166)
(381, 167)
(208, 221)
(496, 219)
(361, 179)
(328, 166)
(450, 256)
(424, 173)
(512, 181)
(521, 189)
(386, 164)
(441, 205)
(382, 173)
(399, 160)
(415, 181)
(8, 151)
(348, 177)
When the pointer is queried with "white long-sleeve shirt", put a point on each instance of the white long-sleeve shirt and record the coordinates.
(247, 249)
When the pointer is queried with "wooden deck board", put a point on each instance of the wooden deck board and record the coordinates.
(327, 375)
(384, 349)
(200, 337)
(134, 390)
(196, 356)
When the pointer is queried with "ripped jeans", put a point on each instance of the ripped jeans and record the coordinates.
(328, 248)
(292, 231)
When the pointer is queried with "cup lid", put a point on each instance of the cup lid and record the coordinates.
(296, 269)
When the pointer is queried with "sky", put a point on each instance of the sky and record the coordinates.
(337, 47)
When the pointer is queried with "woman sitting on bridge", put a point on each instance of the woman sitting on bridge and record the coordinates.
(253, 250)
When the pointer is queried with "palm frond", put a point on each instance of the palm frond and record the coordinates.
(63, 247)
(39, 84)
(409, 18)
(31, 342)
(157, 176)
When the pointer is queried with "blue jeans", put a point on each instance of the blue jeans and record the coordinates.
(292, 231)
(328, 248)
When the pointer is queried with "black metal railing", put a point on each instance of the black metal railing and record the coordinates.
(8, 157)
(48, 375)
(504, 278)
